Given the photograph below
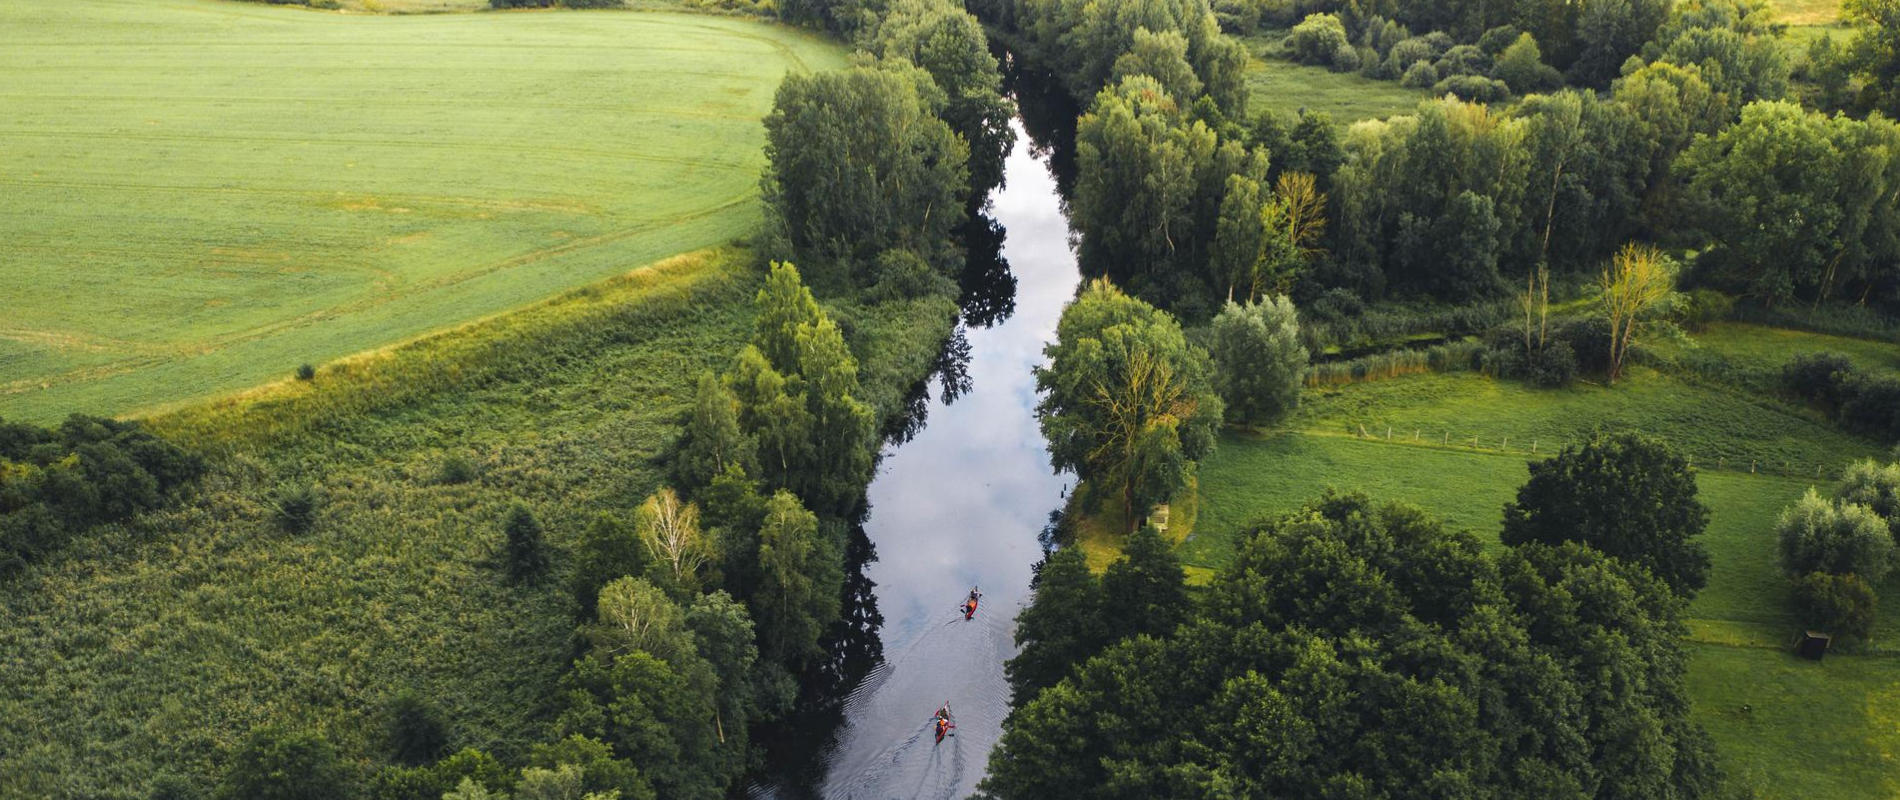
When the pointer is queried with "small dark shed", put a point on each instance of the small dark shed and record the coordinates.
(1811, 645)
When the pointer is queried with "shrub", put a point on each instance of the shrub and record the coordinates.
(1521, 67)
(1407, 53)
(273, 764)
(1463, 60)
(521, 551)
(1258, 361)
(1870, 406)
(901, 274)
(306, 372)
(1420, 76)
(1843, 606)
(1495, 40)
(1819, 535)
(1876, 486)
(171, 786)
(1317, 39)
(1335, 304)
(1818, 377)
(1346, 59)
(417, 734)
(295, 507)
(1473, 88)
(456, 468)
(1700, 308)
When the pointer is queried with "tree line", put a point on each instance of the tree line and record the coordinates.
(1360, 649)
(1460, 200)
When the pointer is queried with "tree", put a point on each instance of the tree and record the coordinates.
(1127, 402)
(522, 552)
(1877, 487)
(416, 731)
(857, 164)
(1633, 283)
(1624, 494)
(1819, 535)
(1361, 650)
(636, 616)
(1163, 57)
(657, 713)
(948, 42)
(1240, 233)
(1842, 605)
(1061, 627)
(608, 549)
(784, 306)
(1259, 363)
(1521, 66)
(1316, 39)
(713, 439)
(1144, 591)
(277, 764)
(801, 574)
(1875, 50)
(670, 530)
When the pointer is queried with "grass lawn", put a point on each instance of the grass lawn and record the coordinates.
(1802, 13)
(1763, 347)
(1827, 730)
(1276, 83)
(161, 643)
(197, 196)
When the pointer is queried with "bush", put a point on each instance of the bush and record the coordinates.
(1876, 486)
(521, 551)
(1346, 59)
(902, 274)
(1258, 361)
(273, 764)
(1843, 606)
(416, 732)
(1554, 365)
(295, 507)
(1495, 40)
(1420, 76)
(1818, 377)
(1701, 308)
(1819, 535)
(1870, 406)
(1463, 60)
(1335, 305)
(171, 786)
(1317, 39)
(456, 468)
(306, 372)
(1473, 88)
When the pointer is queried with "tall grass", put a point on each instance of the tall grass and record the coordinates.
(1392, 326)
(1839, 320)
(1460, 356)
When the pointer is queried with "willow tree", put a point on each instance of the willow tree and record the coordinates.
(1127, 402)
(1633, 282)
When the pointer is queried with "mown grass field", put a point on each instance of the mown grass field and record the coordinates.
(1827, 730)
(197, 196)
(159, 644)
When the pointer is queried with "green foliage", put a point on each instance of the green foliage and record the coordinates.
(1304, 675)
(1521, 66)
(599, 770)
(1843, 606)
(1081, 41)
(1163, 57)
(949, 43)
(415, 212)
(522, 553)
(1127, 402)
(306, 372)
(276, 764)
(1627, 495)
(1317, 39)
(656, 714)
(1060, 628)
(455, 469)
(1144, 593)
(415, 728)
(1835, 537)
(608, 549)
(1259, 363)
(57, 482)
(1875, 51)
(1791, 198)
(859, 164)
(295, 507)
(1869, 483)
(801, 573)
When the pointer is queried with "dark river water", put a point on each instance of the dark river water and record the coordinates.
(960, 503)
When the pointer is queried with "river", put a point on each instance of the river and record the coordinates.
(958, 503)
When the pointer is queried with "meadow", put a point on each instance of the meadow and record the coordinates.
(199, 196)
(159, 644)
(1285, 87)
(1787, 727)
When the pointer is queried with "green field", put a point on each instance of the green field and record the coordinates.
(158, 645)
(1275, 83)
(1765, 348)
(1825, 730)
(198, 196)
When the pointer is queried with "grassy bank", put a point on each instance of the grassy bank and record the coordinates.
(162, 642)
(202, 195)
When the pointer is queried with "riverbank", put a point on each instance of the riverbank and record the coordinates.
(157, 645)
